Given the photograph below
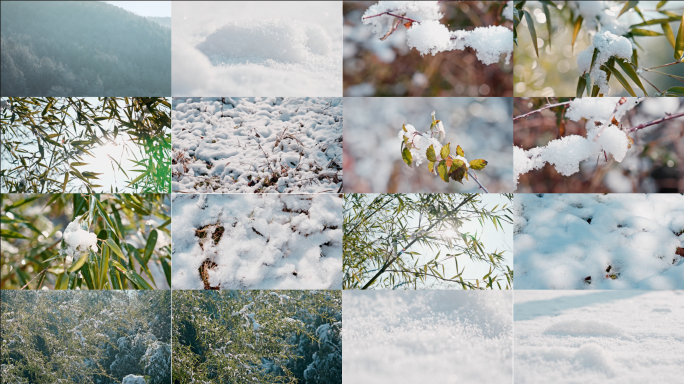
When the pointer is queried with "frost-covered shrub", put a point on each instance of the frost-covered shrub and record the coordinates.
(426, 34)
(327, 361)
(132, 348)
(157, 362)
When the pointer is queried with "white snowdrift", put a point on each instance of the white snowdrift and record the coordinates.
(257, 144)
(427, 336)
(603, 337)
(264, 241)
(618, 241)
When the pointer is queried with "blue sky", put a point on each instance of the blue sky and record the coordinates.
(145, 8)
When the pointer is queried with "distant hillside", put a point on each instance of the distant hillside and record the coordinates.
(81, 48)
(164, 21)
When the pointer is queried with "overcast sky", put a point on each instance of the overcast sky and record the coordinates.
(145, 8)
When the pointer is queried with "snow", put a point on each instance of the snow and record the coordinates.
(508, 11)
(78, 240)
(568, 152)
(257, 49)
(427, 336)
(266, 241)
(620, 241)
(429, 36)
(608, 45)
(222, 144)
(133, 379)
(601, 12)
(600, 337)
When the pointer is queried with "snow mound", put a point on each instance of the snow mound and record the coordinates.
(427, 336)
(591, 241)
(488, 42)
(274, 144)
(254, 41)
(133, 379)
(78, 240)
(257, 241)
(583, 328)
(608, 45)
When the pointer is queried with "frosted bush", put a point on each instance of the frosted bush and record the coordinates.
(426, 34)
(603, 136)
(608, 46)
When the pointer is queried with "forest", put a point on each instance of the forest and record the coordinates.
(64, 48)
(86, 337)
(257, 337)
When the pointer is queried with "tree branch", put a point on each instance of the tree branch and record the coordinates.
(654, 122)
(541, 109)
(389, 13)
(477, 181)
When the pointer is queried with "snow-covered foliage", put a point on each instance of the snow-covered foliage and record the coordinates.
(590, 241)
(273, 144)
(256, 49)
(426, 34)
(608, 337)
(298, 338)
(244, 241)
(427, 336)
(133, 379)
(607, 46)
(603, 136)
(603, 13)
(85, 337)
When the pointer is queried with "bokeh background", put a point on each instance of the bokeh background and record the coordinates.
(655, 163)
(554, 72)
(372, 157)
(389, 68)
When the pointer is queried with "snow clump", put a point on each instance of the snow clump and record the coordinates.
(603, 13)
(133, 379)
(567, 152)
(608, 45)
(77, 241)
(429, 36)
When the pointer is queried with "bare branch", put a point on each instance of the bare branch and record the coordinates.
(654, 122)
(541, 109)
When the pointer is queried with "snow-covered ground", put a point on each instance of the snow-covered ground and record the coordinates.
(599, 337)
(427, 337)
(274, 144)
(291, 48)
(599, 241)
(253, 241)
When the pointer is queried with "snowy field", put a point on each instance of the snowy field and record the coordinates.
(427, 337)
(599, 241)
(257, 48)
(275, 144)
(600, 337)
(257, 241)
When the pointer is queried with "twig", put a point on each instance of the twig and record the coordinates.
(680, 78)
(654, 122)
(477, 181)
(391, 14)
(649, 83)
(42, 273)
(664, 65)
(541, 109)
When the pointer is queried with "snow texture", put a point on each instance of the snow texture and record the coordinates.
(568, 152)
(427, 336)
(257, 144)
(133, 379)
(508, 11)
(592, 241)
(264, 241)
(602, 337)
(78, 240)
(608, 45)
(274, 48)
(429, 36)
(604, 13)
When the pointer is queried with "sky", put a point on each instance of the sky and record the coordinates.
(145, 8)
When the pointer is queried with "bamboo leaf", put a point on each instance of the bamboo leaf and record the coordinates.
(644, 32)
(581, 85)
(667, 31)
(622, 80)
(77, 265)
(533, 32)
(115, 248)
(628, 5)
(149, 247)
(587, 79)
(548, 19)
(629, 70)
(679, 44)
(660, 4)
(675, 91)
(575, 31)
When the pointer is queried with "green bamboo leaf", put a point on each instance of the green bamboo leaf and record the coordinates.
(114, 278)
(548, 19)
(660, 4)
(575, 32)
(635, 58)
(445, 151)
(77, 265)
(66, 179)
(430, 153)
(628, 5)
(679, 44)
(106, 217)
(644, 32)
(115, 248)
(622, 80)
(655, 21)
(103, 267)
(149, 247)
(593, 58)
(6, 233)
(406, 156)
(587, 77)
(62, 281)
(629, 70)
(581, 85)
(667, 31)
(675, 91)
(533, 32)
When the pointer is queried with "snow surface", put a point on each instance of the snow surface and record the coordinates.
(608, 45)
(269, 241)
(223, 146)
(257, 48)
(600, 337)
(562, 239)
(568, 152)
(427, 336)
(429, 36)
(78, 240)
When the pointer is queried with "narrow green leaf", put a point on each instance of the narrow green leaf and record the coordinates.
(587, 77)
(533, 32)
(667, 31)
(6, 233)
(635, 58)
(675, 91)
(593, 58)
(622, 80)
(115, 248)
(575, 32)
(679, 44)
(149, 247)
(77, 265)
(548, 20)
(628, 5)
(581, 84)
(644, 32)
(629, 70)
(105, 216)
(660, 4)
